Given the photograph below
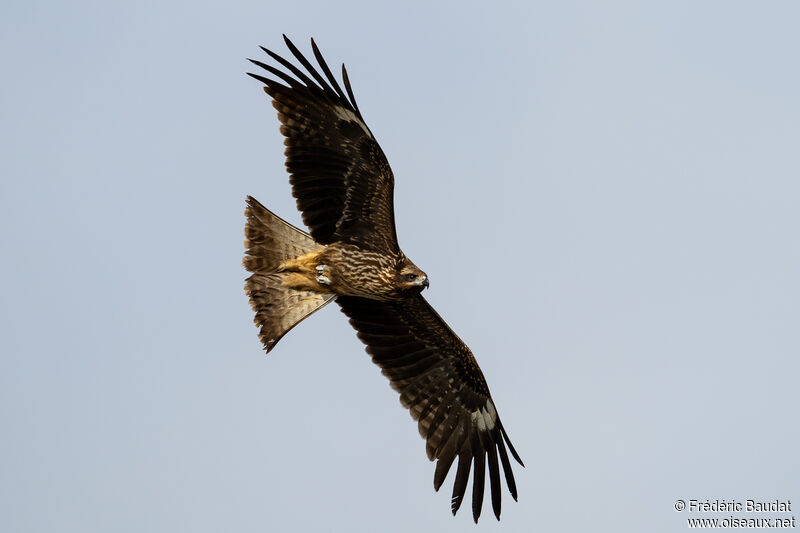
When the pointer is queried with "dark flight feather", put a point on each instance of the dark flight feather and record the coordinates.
(441, 384)
(327, 140)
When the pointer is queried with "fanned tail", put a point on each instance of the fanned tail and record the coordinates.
(269, 241)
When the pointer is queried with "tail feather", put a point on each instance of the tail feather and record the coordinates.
(269, 241)
(278, 308)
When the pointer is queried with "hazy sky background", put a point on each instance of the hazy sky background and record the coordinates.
(604, 195)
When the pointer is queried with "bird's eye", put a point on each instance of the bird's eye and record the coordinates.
(411, 277)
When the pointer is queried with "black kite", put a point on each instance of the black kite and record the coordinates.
(344, 189)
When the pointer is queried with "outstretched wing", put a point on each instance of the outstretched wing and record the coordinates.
(440, 383)
(339, 175)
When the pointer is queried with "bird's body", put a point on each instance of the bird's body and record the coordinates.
(348, 270)
(344, 187)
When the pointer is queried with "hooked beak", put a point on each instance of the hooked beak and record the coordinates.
(425, 283)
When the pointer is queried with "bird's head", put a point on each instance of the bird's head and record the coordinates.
(410, 279)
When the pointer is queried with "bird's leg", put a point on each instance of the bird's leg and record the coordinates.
(322, 279)
(303, 264)
(302, 273)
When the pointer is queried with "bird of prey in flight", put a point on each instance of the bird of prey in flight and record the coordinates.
(344, 190)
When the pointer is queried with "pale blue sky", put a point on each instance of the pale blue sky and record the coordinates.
(603, 194)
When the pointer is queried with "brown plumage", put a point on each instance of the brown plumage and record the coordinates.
(344, 190)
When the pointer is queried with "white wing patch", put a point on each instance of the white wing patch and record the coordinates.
(486, 417)
(347, 115)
